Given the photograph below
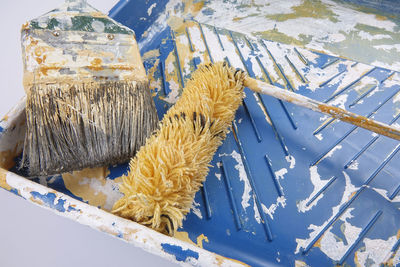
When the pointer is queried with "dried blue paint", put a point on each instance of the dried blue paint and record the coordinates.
(49, 199)
(57, 183)
(117, 171)
(71, 208)
(15, 191)
(179, 253)
(207, 11)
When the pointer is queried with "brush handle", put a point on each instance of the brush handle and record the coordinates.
(335, 112)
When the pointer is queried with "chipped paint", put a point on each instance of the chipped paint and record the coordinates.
(104, 221)
(341, 30)
(298, 263)
(154, 53)
(150, 9)
(281, 173)
(3, 180)
(50, 200)
(93, 186)
(200, 240)
(318, 184)
(266, 117)
(184, 236)
(287, 12)
(179, 253)
(196, 210)
(280, 201)
(291, 160)
(319, 136)
(375, 251)
(242, 177)
(328, 241)
(353, 165)
(257, 215)
(340, 101)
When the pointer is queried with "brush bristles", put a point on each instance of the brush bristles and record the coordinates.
(167, 172)
(70, 127)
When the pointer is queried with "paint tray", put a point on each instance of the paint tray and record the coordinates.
(287, 187)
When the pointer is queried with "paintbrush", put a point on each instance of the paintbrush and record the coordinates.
(88, 101)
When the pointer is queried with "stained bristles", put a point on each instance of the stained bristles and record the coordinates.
(85, 125)
(167, 172)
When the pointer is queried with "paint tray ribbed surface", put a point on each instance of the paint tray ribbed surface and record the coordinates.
(289, 186)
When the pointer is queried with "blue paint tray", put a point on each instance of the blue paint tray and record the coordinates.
(288, 187)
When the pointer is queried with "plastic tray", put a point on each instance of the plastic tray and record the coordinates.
(288, 186)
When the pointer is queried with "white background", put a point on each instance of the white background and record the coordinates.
(30, 235)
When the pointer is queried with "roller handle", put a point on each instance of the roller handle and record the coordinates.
(335, 112)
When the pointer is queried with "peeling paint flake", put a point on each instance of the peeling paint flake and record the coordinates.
(330, 245)
(179, 253)
(318, 184)
(49, 200)
(243, 178)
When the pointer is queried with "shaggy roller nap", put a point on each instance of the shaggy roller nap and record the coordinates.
(170, 168)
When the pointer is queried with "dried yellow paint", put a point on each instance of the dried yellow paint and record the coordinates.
(108, 230)
(299, 263)
(5, 118)
(3, 181)
(193, 7)
(7, 158)
(200, 240)
(176, 23)
(275, 35)
(356, 259)
(307, 9)
(151, 54)
(76, 182)
(37, 201)
(220, 260)
(184, 236)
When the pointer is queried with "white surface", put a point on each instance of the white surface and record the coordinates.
(30, 235)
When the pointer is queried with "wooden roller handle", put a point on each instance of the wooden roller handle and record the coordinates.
(335, 112)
